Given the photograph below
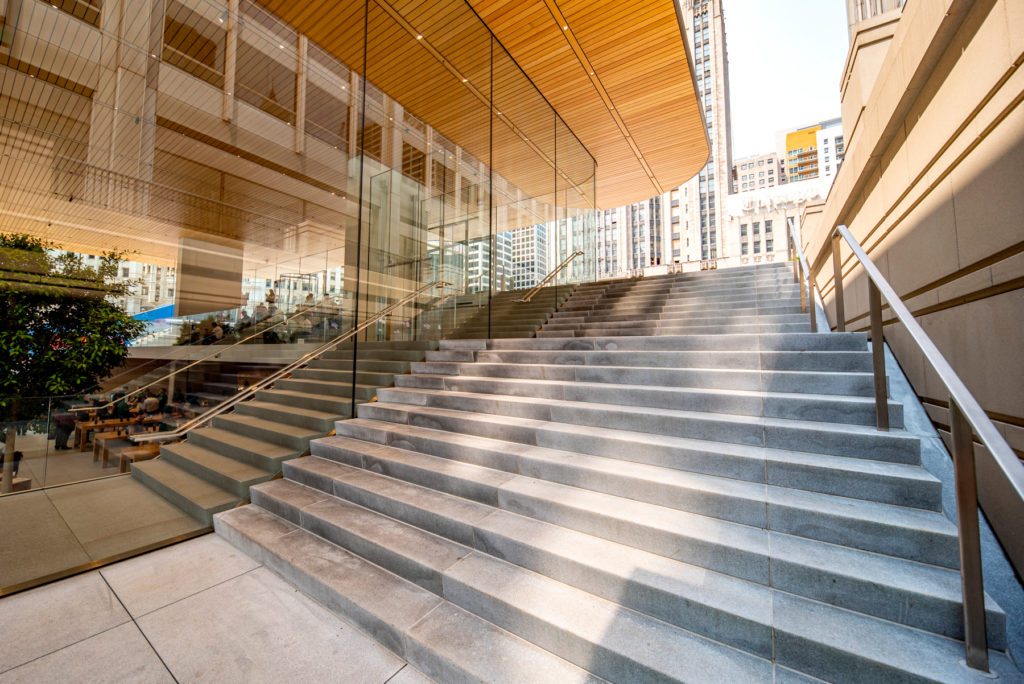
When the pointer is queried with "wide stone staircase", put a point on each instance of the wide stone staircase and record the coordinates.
(699, 507)
(512, 318)
(214, 468)
(754, 299)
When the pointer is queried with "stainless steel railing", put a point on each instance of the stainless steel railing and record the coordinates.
(544, 281)
(1001, 471)
(220, 350)
(300, 362)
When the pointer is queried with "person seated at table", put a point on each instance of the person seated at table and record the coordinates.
(150, 405)
(243, 319)
(17, 462)
(300, 327)
(261, 312)
(121, 409)
(162, 398)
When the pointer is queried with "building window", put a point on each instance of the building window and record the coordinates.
(757, 228)
(757, 247)
(743, 249)
(768, 245)
(767, 227)
(743, 230)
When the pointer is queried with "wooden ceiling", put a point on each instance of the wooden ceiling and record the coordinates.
(617, 74)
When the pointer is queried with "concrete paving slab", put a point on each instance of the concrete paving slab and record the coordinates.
(258, 628)
(45, 620)
(119, 515)
(36, 540)
(117, 655)
(409, 675)
(157, 579)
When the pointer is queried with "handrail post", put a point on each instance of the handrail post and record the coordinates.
(800, 282)
(837, 276)
(968, 536)
(793, 256)
(810, 303)
(878, 356)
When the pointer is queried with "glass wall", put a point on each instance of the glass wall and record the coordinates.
(327, 171)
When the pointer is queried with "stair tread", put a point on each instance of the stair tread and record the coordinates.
(295, 410)
(233, 468)
(394, 610)
(187, 485)
(839, 507)
(250, 444)
(309, 395)
(644, 641)
(252, 421)
(805, 396)
(746, 600)
(641, 410)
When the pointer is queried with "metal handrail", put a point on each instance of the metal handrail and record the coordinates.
(214, 355)
(298, 363)
(1003, 472)
(802, 276)
(536, 288)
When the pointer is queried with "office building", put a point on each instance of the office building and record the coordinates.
(757, 172)
(812, 151)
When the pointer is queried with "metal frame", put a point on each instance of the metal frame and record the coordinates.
(1002, 471)
(536, 288)
(303, 360)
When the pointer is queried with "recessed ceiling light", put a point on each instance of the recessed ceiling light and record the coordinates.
(419, 37)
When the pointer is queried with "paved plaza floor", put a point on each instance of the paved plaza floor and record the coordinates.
(199, 611)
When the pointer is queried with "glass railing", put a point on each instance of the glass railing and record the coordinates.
(314, 319)
(55, 444)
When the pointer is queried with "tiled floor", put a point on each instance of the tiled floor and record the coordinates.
(54, 530)
(200, 611)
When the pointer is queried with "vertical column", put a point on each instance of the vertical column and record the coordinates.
(301, 77)
(230, 61)
(119, 112)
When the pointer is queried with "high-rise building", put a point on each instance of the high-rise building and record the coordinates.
(757, 172)
(812, 151)
(684, 224)
(528, 261)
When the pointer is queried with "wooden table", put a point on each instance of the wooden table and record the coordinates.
(84, 430)
(142, 452)
(20, 484)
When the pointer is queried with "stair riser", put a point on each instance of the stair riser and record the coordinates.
(341, 390)
(655, 329)
(685, 316)
(343, 377)
(192, 508)
(876, 446)
(682, 323)
(790, 342)
(707, 461)
(300, 445)
(198, 438)
(848, 384)
(337, 406)
(321, 425)
(831, 409)
(370, 365)
(376, 354)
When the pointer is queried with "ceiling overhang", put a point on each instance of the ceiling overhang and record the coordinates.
(617, 74)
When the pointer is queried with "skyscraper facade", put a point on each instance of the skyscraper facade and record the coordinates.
(684, 225)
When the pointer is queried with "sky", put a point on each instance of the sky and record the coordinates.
(785, 61)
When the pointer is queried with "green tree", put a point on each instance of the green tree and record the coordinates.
(61, 330)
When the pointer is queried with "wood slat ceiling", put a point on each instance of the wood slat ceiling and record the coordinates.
(637, 114)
